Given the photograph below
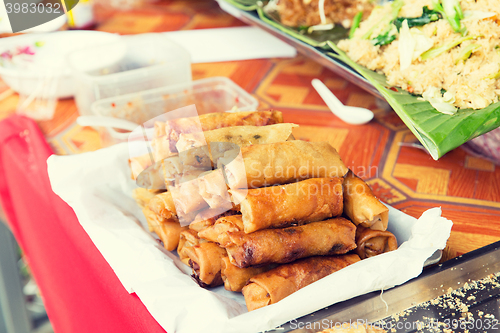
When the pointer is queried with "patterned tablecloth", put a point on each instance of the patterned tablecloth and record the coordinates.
(384, 152)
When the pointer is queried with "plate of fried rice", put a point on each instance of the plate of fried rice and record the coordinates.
(436, 62)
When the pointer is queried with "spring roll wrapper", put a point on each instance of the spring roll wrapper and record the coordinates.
(329, 237)
(176, 170)
(374, 242)
(151, 218)
(241, 136)
(142, 196)
(168, 230)
(151, 177)
(217, 233)
(213, 189)
(187, 238)
(200, 224)
(163, 205)
(235, 278)
(309, 200)
(208, 218)
(170, 133)
(187, 198)
(274, 285)
(205, 260)
(138, 164)
(283, 162)
(361, 205)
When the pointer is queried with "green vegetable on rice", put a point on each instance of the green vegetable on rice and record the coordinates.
(467, 52)
(355, 23)
(435, 51)
(427, 17)
(452, 11)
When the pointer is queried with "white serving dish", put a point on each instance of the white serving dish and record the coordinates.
(44, 62)
(129, 65)
(215, 94)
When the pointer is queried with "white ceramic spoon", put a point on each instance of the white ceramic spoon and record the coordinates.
(349, 114)
(98, 121)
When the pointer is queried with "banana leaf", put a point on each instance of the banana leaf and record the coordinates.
(437, 132)
(246, 5)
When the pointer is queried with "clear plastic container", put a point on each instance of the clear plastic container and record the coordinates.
(132, 64)
(215, 94)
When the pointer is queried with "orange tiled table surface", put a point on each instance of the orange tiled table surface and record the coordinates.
(466, 187)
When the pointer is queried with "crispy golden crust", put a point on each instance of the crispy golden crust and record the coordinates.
(374, 242)
(206, 219)
(142, 196)
(227, 138)
(187, 238)
(162, 205)
(138, 164)
(235, 278)
(171, 130)
(283, 162)
(335, 236)
(205, 260)
(218, 231)
(274, 285)
(309, 200)
(152, 218)
(361, 205)
(167, 229)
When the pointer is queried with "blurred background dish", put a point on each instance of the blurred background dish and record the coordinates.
(215, 94)
(35, 64)
(131, 64)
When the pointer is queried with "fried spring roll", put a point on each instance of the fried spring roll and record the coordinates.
(207, 218)
(168, 230)
(201, 224)
(152, 218)
(217, 233)
(272, 286)
(335, 236)
(281, 163)
(151, 177)
(138, 164)
(176, 171)
(361, 206)
(142, 196)
(374, 242)
(171, 130)
(206, 195)
(213, 189)
(187, 238)
(241, 136)
(187, 198)
(163, 205)
(235, 278)
(309, 200)
(205, 260)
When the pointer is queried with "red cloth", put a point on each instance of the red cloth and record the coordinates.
(80, 290)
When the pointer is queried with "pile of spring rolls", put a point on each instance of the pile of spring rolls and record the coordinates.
(249, 207)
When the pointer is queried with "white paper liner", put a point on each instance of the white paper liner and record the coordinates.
(98, 187)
